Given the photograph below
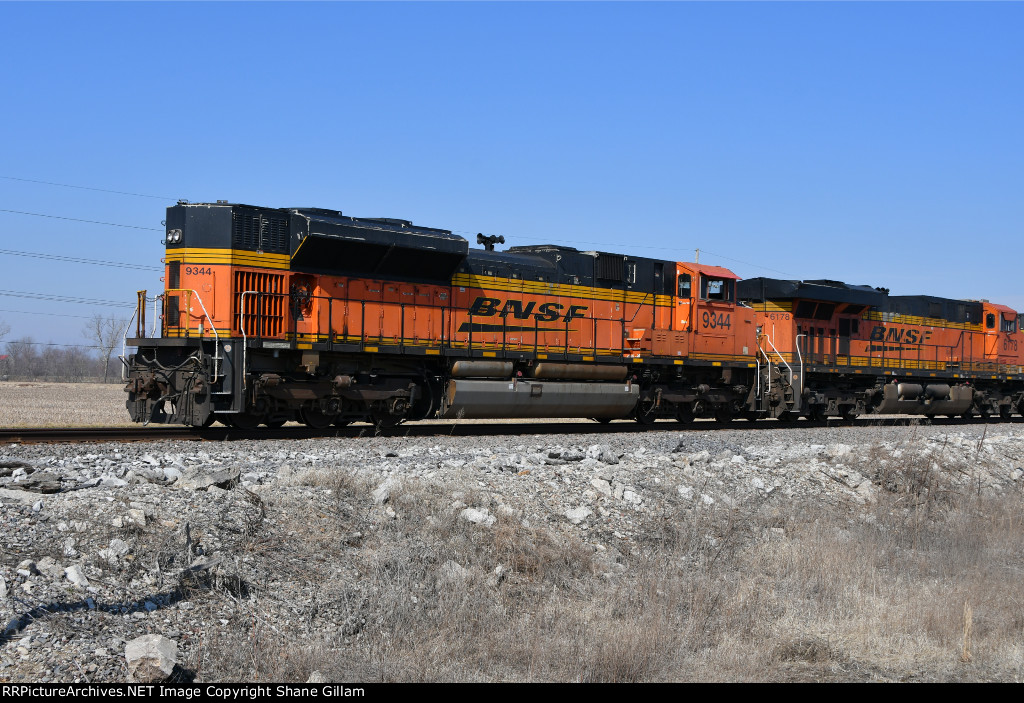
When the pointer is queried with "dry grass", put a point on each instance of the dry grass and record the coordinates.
(923, 585)
(37, 404)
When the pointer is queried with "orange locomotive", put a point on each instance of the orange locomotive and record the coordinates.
(271, 315)
(840, 350)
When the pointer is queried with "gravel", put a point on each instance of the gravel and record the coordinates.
(169, 538)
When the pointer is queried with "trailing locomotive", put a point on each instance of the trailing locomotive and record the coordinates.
(271, 315)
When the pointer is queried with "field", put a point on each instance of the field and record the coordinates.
(37, 404)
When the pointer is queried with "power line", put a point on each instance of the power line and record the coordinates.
(101, 190)
(66, 299)
(77, 260)
(51, 344)
(58, 314)
(75, 219)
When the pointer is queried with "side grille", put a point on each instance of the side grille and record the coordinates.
(256, 231)
(263, 315)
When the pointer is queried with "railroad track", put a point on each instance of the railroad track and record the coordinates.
(436, 428)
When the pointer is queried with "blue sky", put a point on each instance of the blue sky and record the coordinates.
(874, 143)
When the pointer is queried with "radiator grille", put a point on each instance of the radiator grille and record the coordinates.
(255, 231)
(263, 315)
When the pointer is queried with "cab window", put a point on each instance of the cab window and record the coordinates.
(715, 288)
(1009, 325)
(684, 285)
(990, 321)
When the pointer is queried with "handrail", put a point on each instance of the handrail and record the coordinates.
(213, 326)
(124, 342)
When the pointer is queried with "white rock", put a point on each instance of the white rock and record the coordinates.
(602, 486)
(150, 658)
(76, 575)
(480, 517)
(382, 493)
(578, 515)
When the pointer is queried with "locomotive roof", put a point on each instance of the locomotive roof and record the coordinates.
(761, 289)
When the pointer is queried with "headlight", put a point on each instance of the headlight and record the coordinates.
(174, 236)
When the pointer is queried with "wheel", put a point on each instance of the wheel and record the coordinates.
(786, 416)
(315, 419)
(723, 415)
(684, 414)
(967, 414)
(275, 424)
(342, 421)
(601, 420)
(646, 412)
(1004, 413)
(816, 414)
(244, 421)
(848, 412)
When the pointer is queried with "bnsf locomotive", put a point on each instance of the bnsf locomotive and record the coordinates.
(271, 315)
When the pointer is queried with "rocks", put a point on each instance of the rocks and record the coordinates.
(151, 658)
(315, 522)
(76, 576)
(479, 517)
(199, 479)
(578, 515)
(382, 493)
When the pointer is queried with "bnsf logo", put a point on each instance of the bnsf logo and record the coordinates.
(546, 312)
(899, 335)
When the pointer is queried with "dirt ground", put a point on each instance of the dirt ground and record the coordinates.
(32, 404)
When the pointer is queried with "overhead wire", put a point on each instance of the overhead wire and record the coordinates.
(79, 260)
(66, 299)
(58, 314)
(101, 190)
(76, 219)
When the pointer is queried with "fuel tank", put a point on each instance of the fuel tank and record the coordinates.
(526, 398)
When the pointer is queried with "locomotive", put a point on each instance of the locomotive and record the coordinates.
(271, 315)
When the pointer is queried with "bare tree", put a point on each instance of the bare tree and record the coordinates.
(105, 332)
(5, 329)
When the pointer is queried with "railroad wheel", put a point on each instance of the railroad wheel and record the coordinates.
(601, 420)
(848, 412)
(244, 421)
(816, 414)
(275, 424)
(786, 416)
(684, 414)
(342, 421)
(315, 418)
(967, 414)
(646, 412)
(723, 415)
(1004, 413)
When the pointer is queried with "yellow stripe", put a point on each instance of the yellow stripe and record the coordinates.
(516, 285)
(233, 257)
(920, 321)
